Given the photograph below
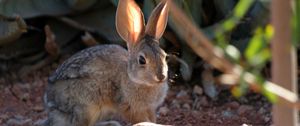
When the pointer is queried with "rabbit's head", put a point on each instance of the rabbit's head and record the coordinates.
(147, 61)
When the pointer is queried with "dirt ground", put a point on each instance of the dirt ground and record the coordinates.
(21, 104)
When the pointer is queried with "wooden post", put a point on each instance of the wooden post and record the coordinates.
(284, 61)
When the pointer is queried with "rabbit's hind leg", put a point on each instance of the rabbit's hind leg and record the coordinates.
(57, 118)
(77, 117)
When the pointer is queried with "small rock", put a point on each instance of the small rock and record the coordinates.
(210, 90)
(163, 110)
(17, 121)
(182, 95)
(243, 109)
(21, 91)
(175, 104)
(261, 111)
(186, 106)
(148, 124)
(203, 102)
(246, 125)
(108, 123)
(38, 108)
(197, 90)
(4, 117)
(232, 105)
(219, 121)
(243, 99)
(267, 119)
(25, 96)
(227, 114)
(188, 124)
(171, 94)
(40, 122)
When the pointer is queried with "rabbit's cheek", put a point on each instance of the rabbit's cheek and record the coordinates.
(136, 77)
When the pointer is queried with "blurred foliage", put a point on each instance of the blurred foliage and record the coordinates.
(255, 56)
(296, 22)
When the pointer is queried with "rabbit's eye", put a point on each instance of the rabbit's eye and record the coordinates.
(142, 60)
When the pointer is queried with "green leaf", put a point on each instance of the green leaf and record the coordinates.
(241, 88)
(236, 91)
(242, 7)
(296, 23)
(229, 24)
(255, 45)
(258, 52)
(269, 32)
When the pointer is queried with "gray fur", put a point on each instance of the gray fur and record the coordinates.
(96, 80)
(105, 81)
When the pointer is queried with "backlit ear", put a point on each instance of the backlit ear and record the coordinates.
(158, 20)
(129, 21)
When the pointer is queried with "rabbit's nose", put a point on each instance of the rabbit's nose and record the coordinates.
(160, 78)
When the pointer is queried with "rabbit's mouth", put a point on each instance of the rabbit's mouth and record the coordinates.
(148, 81)
(160, 78)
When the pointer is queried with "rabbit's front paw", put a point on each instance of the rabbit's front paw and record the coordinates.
(108, 123)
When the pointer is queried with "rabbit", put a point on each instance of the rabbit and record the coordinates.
(104, 81)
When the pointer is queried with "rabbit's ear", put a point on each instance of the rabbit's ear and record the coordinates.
(158, 20)
(129, 21)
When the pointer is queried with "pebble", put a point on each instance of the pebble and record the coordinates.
(163, 110)
(197, 90)
(17, 121)
(4, 117)
(246, 125)
(182, 95)
(227, 114)
(109, 123)
(38, 108)
(267, 119)
(186, 106)
(188, 124)
(175, 104)
(148, 124)
(232, 105)
(243, 109)
(25, 96)
(210, 90)
(204, 102)
(261, 111)
(40, 122)
(171, 94)
(219, 121)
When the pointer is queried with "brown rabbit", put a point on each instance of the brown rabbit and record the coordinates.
(109, 80)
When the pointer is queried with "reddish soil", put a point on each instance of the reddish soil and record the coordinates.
(21, 105)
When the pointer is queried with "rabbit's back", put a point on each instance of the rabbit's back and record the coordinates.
(97, 59)
(87, 79)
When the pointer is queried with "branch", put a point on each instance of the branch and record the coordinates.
(203, 47)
